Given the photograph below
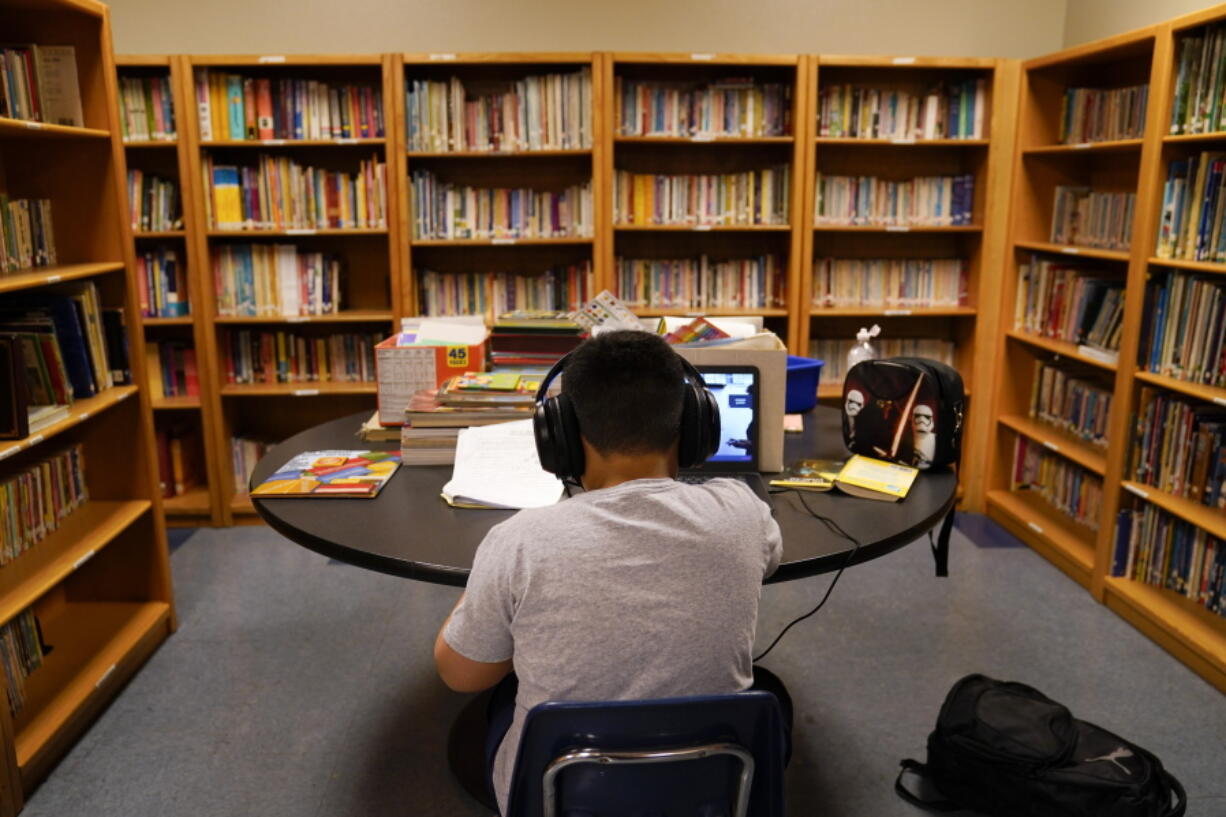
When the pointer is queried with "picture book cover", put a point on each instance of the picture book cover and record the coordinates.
(331, 474)
(809, 475)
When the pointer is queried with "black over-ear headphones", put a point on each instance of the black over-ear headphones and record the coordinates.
(557, 426)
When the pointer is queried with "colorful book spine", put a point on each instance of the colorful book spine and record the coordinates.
(1103, 114)
(146, 109)
(1194, 209)
(1199, 100)
(35, 501)
(235, 107)
(889, 282)
(1068, 488)
(27, 237)
(264, 280)
(947, 110)
(162, 283)
(179, 457)
(1183, 329)
(540, 112)
(1177, 447)
(747, 198)
(834, 352)
(442, 210)
(1092, 219)
(153, 203)
(562, 288)
(21, 652)
(1069, 303)
(177, 367)
(251, 357)
(927, 201)
(1158, 549)
(733, 107)
(245, 452)
(702, 282)
(1073, 401)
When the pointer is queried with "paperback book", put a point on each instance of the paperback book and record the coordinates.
(331, 474)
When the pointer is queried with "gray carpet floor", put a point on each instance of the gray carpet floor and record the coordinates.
(301, 687)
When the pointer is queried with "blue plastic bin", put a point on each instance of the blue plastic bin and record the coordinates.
(803, 374)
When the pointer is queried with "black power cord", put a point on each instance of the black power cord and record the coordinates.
(837, 530)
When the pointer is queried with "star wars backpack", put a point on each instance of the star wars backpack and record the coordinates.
(904, 409)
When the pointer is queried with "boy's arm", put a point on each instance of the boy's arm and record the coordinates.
(461, 673)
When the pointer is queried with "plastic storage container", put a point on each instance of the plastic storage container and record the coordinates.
(803, 376)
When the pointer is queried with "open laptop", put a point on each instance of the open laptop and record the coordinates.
(736, 390)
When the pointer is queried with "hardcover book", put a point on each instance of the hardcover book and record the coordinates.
(331, 474)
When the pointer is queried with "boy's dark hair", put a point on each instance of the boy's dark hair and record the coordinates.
(626, 388)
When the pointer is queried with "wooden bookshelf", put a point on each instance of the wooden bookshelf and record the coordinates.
(100, 583)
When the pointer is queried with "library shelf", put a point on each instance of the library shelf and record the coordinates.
(80, 411)
(290, 232)
(98, 647)
(496, 154)
(1193, 138)
(195, 501)
(1213, 267)
(296, 389)
(897, 228)
(151, 234)
(1058, 441)
(905, 62)
(1210, 394)
(181, 320)
(903, 142)
(500, 242)
(1059, 347)
(161, 403)
(703, 139)
(344, 316)
(1062, 541)
(1191, 633)
(241, 504)
(27, 129)
(337, 141)
(834, 391)
(1108, 146)
(42, 276)
(1066, 249)
(893, 311)
(703, 228)
(1211, 520)
(152, 143)
(714, 311)
(285, 60)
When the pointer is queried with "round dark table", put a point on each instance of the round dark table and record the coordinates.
(409, 531)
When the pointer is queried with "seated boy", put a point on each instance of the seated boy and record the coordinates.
(640, 587)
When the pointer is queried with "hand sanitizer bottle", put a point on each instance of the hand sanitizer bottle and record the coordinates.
(863, 350)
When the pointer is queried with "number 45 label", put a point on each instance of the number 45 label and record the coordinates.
(457, 357)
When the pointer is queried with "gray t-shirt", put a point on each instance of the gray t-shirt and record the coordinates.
(648, 589)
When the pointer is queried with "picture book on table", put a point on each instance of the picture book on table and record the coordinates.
(331, 474)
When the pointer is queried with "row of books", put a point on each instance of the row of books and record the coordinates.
(889, 282)
(735, 107)
(540, 112)
(1074, 401)
(949, 110)
(749, 197)
(1194, 209)
(245, 452)
(1103, 114)
(435, 417)
(1177, 447)
(1092, 219)
(1198, 104)
(146, 109)
(153, 202)
(1153, 547)
(834, 352)
(179, 458)
(39, 83)
(176, 368)
(444, 210)
(292, 357)
(932, 201)
(1069, 303)
(36, 500)
(27, 234)
(281, 194)
(1183, 329)
(262, 280)
(474, 293)
(702, 282)
(162, 283)
(21, 652)
(233, 107)
(1068, 488)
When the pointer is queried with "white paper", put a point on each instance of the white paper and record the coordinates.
(497, 466)
(442, 332)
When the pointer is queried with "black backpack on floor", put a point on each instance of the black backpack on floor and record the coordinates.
(1008, 750)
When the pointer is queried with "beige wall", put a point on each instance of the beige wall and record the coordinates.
(1004, 28)
(1087, 20)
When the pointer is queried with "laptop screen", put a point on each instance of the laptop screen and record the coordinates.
(735, 389)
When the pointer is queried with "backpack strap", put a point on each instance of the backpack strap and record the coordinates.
(1181, 797)
(940, 548)
(920, 770)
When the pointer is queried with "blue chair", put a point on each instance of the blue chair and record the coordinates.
(708, 756)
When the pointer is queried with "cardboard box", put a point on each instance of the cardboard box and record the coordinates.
(403, 370)
(772, 368)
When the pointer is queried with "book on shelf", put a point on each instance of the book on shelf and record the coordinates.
(235, 107)
(161, 280)
(115, 330)
(36, 500)
(281, 194)
(245, 452)
(946, 110)
(1156, 548)
(1091, 218)
(890, 282)
(702, 282)
(1183, 327)
(154, 202)
(251, 357)
(1178, 447)
(727, 107)
(70, 326)
(445, 210)
(27, 234)
(179, 462)
(1072, 399)
(532, 338)
(561, 287)
(39, 83)
(834, 352)
(21, 651)
(1103, 114)
(146, 109)
(537, 112)
(1070, 303)
(1197, 103)
(1066, 487)
(38, 389)
(265, 280)
(174, 364)
(328, 474)
(924, 201)
(1194, 209)
(751, 197)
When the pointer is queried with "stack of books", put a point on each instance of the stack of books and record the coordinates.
(527, 338)
(435, 417)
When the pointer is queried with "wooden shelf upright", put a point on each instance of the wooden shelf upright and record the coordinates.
(99, 584)
(370, 283)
